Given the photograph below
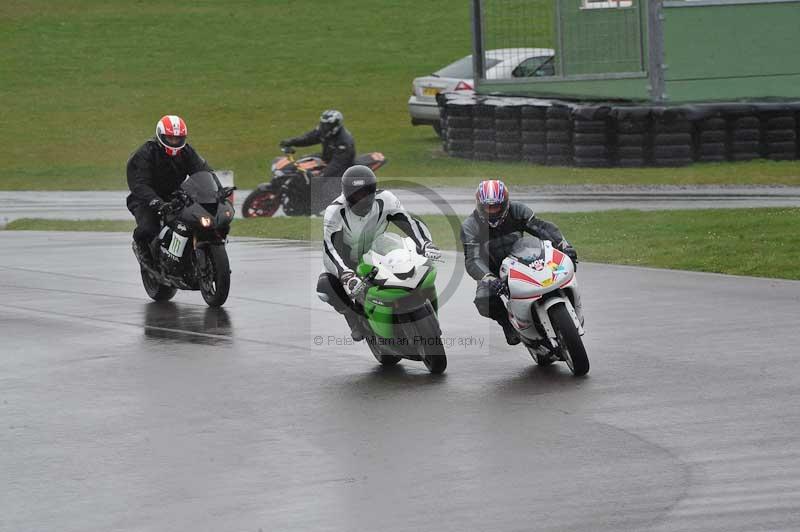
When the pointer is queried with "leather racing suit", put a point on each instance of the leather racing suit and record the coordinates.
(486, 247)
(346, 237)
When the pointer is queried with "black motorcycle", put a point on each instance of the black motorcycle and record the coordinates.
(296, 185)
(189, 252)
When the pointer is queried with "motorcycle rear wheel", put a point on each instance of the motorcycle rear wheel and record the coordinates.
(569, 340)
(217, 272)
(261, 203)
(156, 291)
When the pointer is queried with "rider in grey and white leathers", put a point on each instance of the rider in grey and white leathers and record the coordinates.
(350, 226)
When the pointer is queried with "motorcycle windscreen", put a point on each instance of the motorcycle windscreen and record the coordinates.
(386, 242)
(202, 187)
(527, 249)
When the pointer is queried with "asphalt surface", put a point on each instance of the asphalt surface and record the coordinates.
(118, 414)
(110, 205)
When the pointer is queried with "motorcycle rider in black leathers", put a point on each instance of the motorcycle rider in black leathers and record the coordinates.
(155, 171)
(338, 146)
(350, 226)
(488, 236)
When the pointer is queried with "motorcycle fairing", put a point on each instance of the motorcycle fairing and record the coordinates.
(401, 267)
(544, 274)
(535, 284)
(404, 282)
(373, 160)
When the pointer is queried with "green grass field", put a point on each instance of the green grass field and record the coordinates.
(84, 81)
(755, 242)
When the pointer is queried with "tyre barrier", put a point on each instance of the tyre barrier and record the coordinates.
(558, 136)
(781, 134)
(590, 139)
(564, 133)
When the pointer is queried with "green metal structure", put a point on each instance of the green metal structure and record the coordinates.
(659, 51)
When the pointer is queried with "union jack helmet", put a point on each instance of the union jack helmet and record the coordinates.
(492, 202)
(171, 133)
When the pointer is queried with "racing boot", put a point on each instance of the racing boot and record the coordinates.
(512, 336)
(354, 321)
(578, 306)
(498, 313)
(142, 252)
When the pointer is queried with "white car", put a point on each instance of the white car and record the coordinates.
(504, 63)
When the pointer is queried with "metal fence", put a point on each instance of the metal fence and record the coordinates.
(555, 40)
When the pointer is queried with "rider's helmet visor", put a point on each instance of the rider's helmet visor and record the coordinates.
(360, 200)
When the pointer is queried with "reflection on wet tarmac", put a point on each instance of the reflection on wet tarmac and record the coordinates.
(187, 324)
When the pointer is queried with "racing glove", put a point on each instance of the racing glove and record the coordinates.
(431, 251)
(349, 281)
(156, 204)
(496, 286)
(569, 251)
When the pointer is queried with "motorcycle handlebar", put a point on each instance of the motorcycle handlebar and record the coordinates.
(227, 191)
(179, 200)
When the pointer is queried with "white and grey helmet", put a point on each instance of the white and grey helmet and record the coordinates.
(359, 185)
(330, 123)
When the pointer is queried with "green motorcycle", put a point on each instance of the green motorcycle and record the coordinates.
(398, 296)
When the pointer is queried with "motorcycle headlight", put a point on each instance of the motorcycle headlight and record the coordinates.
(205, 221)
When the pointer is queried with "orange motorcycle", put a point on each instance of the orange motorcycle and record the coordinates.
(296, 185)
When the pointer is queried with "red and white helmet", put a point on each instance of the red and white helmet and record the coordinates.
(492, 202)
(171, 133)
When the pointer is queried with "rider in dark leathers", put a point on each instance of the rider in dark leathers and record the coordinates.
(155, 171)
(488, 239)
(338, 146)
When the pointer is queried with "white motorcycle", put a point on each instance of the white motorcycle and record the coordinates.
(541, 303)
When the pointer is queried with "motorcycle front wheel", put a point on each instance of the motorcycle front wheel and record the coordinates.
(156, 291)
(569, 340)
(262, 202)
(215, 280)
(428, 333)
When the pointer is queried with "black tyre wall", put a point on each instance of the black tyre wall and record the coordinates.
(571, 133)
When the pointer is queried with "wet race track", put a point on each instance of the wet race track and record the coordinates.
(107, 205)
(121, 414)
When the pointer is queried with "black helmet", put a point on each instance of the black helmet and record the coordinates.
(330, 123)
(358, 187)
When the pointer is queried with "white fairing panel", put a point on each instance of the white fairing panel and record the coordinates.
(399, 265)
(555, 270)
(527, 283)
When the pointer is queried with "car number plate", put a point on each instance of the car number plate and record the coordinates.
(430, 91)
